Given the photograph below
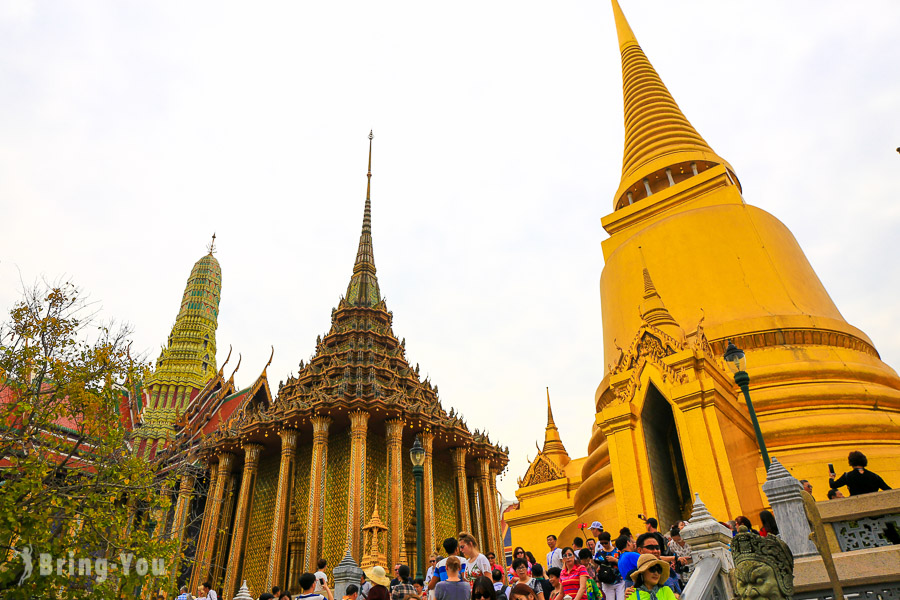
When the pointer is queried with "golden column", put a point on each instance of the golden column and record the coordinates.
(217, 566)
(428, 492)
(395, 497)
(241, 519)
(356, 490)
(488, 501)
(182, 509)
(204, 526)
(211, 514)
(496, 523)
(317, 476)
(462, 488)
(278, 550)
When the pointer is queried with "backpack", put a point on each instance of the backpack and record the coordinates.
(607, 573)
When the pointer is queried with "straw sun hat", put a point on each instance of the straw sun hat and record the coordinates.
(377, 576)
(645, 562)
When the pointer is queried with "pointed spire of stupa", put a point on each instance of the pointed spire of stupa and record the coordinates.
(653, 311)
(661, 146)
(363, 289)
(553, 446)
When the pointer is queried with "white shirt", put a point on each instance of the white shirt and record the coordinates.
(321, 579)
(212, 595)
(554, 558)
(498, 585)
(478, 566)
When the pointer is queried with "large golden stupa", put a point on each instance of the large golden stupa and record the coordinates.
(689, 266)
(300, 476)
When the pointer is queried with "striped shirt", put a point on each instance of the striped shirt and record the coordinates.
(571, 580)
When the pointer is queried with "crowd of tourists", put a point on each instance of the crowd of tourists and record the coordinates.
(602, 567)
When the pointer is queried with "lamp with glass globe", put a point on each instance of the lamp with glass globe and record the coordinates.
(417, 457)
(737, 362)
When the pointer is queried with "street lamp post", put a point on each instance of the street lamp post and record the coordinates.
(736, 361)
(417, 456)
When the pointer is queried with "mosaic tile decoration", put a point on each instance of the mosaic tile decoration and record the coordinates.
(259, 534)
(335, 529)
(446, 518)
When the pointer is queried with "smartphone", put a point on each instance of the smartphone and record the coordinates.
(642, 517)
(831, 468)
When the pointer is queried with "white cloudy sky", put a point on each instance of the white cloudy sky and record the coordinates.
(130, 131)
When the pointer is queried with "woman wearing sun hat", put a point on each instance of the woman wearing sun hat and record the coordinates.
(380, 583)
(649, 577)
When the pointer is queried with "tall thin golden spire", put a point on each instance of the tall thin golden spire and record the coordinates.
(553, 446)
(363, 289)
(661, 146)
(653, 311)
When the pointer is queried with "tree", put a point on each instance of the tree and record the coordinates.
(74, 498)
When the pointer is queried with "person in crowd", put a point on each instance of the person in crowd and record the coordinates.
(364, 586)
(681, 550)
(858, 479)
(396, 578)
(276, 591)
(587, 561)
(522, 591)
(404, 586)
(626, 532)
(807, 486)
(308, 585)
(380, 589)
(523, 575)
(451, 546)
(183, 594)
(419, 584)
(492, 558)
(577, 545)
(432, 561)
(285, 595)
(743, 521)
(769, 526)
(519, 552)
(591, 545)
(554, 557)
(538, 572)
(596, 529)
(531, 558)
(500, 587)
(483, 589)
(573, 577)
(352, 592)
(628, 557)
(208, 592)
(647, 544)
(653, 529)
(452, 587)
(477, 564)
(607, 559)
(321, 577)
(556, 593)
(648, 577)
(834, 494)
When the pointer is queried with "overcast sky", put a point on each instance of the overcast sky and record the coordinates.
(131, 131)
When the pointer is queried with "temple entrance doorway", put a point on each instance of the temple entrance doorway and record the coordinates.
(668, 475)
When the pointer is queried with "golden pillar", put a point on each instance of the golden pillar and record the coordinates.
(394, 429)
(182, 509)
(278, 549)
(498, 534)
(211, 514)
(356, 490)
(317, 476)
(428, 492)
(490, 511)
(241, 520)
(462, 488)
(204, 527)
(217, 566)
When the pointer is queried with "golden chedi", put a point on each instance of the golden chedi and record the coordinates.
(690, 265)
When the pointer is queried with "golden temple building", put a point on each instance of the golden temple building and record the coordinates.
(303, 475)
(690, 265)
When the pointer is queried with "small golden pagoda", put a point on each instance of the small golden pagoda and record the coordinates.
(292, 479)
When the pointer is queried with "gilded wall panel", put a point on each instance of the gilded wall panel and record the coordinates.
(377, 477)
(334, 543)
(300, 500)
(259, 534)
(445, 513)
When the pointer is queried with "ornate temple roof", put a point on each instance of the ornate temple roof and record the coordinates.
(551, 460)
(657, 134)
(360, 364)
(189, 358)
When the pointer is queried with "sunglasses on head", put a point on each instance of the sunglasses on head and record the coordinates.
(655, 569)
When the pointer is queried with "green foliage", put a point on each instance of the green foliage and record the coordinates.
(70, 485)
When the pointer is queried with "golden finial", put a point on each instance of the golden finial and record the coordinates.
(212, 244)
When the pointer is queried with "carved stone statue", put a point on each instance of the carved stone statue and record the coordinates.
(763, 568)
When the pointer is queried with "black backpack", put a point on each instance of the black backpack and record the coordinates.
(607, 572)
